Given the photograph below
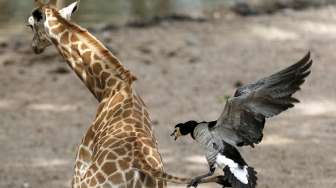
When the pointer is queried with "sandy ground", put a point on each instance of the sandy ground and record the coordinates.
(185, 69)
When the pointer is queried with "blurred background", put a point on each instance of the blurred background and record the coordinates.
(188, 55)
(117, 11)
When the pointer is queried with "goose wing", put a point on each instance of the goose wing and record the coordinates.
(243, 118)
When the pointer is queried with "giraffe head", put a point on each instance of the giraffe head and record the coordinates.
(39, 25)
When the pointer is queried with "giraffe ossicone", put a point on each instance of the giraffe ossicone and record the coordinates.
(119, 148)
(67, 11)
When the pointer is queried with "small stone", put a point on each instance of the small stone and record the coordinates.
(21, 71)
(147, 62)
(194, 60)
(191, 41)
(171, 54)
(145, 50)
(238, 83)
(155, 122)
(25, 185)
(55, 177)
(3, 44)
(60, 70)
(164, 71)
(8, 62)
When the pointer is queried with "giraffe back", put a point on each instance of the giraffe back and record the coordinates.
(120, 138)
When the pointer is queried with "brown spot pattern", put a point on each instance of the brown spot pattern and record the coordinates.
(93, 182)
(87, 57)
(74, 38)
(123, 164)
(84, 47)
(100, 177)
(109, 168)
(119, 124)
(58, 30)
(111, 82)
(116, 178)
(84, 155)
(97, 68)
(65, 38)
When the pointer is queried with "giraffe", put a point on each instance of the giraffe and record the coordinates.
(119, 149)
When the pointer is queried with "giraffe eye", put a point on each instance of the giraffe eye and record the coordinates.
(37, 14)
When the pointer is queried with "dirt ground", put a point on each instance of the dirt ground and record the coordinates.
(185, 69)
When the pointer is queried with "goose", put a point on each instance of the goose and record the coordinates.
(242, 121)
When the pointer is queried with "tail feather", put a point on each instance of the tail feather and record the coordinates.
(236, 183)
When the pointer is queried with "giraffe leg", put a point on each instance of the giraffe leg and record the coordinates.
(106, 176)
(149, 182)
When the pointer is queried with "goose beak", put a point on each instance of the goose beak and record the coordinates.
(176, 133)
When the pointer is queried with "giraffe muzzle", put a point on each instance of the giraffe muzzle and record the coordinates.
(37, 50)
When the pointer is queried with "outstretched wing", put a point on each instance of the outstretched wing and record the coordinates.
(242, 121)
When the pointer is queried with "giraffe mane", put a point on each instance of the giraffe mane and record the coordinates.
(92, 41)
(85, 34)
(54, 4)
(51, 3)
(39, 3)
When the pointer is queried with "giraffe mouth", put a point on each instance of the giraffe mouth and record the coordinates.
(37, 50)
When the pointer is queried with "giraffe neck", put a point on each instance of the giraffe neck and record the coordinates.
(93, 63)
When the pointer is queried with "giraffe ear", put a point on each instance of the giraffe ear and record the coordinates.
(69, 10)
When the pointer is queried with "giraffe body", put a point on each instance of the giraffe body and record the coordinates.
(121, 131)
(113, 146)
(119, 148)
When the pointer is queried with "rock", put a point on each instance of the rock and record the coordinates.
(144, 50)
(155, 122)
(25, 185)
(8, 62)
(194, 60)
(147, 62)
(191, 41)
(238, 83)
(60, 70)
(164, 71)
(21, 71)
(3, 44)
(171, 54)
